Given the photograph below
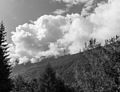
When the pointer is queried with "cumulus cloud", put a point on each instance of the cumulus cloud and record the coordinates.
(90, 5)
(57, 35)
(33, 39)
(60, 11)
(106, 20)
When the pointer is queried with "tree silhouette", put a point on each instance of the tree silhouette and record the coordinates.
(51, 83)
(5, 82)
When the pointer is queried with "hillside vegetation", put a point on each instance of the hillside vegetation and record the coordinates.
(95, 69)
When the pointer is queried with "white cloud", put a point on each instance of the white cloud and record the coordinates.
(58, 35)
(60, 11)
(106, 20)
(72, 1)
(33, 39)
(90, 5)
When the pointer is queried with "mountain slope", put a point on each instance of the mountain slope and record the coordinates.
(87, 62)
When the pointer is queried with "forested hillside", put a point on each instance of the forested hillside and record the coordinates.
(96, 68)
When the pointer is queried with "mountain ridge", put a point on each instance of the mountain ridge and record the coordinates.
(66, 66)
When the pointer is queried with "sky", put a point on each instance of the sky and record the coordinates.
(16, 12)
(39, 29)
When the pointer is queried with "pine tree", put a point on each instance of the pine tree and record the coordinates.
(48, 80)
(51, 83)
(5, 82)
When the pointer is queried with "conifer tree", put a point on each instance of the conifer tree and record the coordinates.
(5, 82)
(51, 83)
(48, 80)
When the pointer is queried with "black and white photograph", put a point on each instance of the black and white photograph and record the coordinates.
(59, 45)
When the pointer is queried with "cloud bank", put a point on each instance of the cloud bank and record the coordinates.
(88, 5)
(58, 35)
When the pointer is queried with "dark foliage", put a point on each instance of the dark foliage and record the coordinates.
(19, 84)
(51, 83)
(5, 82)
(112, 69)
(48, 82)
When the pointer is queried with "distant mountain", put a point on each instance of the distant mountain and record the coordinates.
(89, 61)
